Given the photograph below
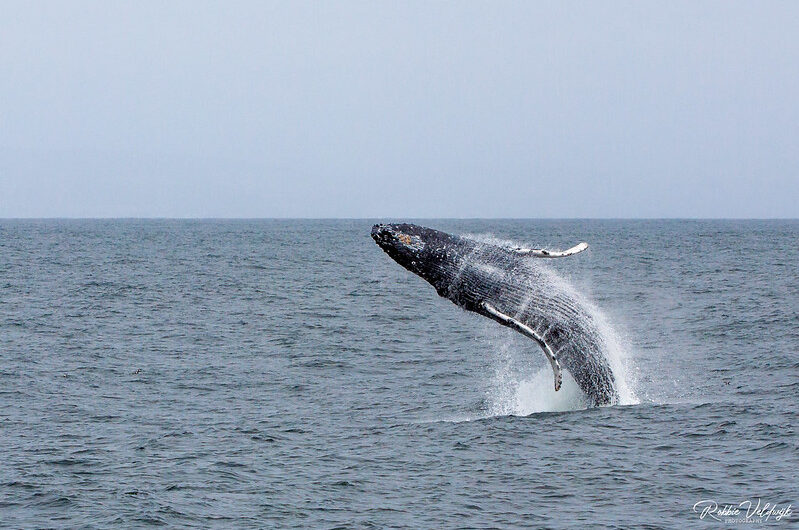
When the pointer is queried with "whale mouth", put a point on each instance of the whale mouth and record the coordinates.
(382, 236)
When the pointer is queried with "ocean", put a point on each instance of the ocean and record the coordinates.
(287, 373)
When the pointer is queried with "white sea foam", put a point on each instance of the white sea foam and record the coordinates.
(521, 397)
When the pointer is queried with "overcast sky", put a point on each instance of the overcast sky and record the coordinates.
(399, 109)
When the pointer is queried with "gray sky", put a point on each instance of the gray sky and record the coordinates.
(399, 109)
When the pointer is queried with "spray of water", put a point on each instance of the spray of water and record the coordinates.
(513, 392)
(516, 392)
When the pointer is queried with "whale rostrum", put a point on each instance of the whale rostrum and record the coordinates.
(505, 285)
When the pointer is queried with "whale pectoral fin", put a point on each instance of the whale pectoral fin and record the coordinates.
(529, 332)
(541, 253)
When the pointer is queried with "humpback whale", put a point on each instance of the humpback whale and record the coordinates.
(508, 286)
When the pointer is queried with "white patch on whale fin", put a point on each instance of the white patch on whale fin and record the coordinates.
(541, 253)
(526, 330)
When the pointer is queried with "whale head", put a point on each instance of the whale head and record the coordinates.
(423, 251)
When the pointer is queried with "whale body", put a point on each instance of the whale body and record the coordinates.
(506, 285)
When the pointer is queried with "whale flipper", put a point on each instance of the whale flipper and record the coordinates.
(526, 330)
(541, 253)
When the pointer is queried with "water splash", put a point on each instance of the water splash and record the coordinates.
(514, 392)
(522, 397)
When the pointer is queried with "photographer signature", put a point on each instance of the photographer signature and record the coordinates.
(746, 511)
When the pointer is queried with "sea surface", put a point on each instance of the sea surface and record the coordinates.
(287, 373)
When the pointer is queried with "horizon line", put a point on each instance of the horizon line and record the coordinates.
(219, 218)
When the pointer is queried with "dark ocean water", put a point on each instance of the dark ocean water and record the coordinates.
(288, 373)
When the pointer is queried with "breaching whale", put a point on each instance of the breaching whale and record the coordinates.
(503, 284)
